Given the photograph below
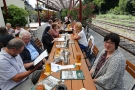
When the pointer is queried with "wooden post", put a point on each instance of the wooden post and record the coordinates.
(38, 14)
(73, 3)
(48, 9)
(80, 11)
(5, 7)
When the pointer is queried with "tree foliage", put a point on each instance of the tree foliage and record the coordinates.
(115, 6)
(17, 15)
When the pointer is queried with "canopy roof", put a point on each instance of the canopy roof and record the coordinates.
(59, 4)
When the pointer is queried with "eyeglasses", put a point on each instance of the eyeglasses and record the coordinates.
(110, 43)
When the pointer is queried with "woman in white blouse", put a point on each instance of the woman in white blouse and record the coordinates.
(80, 36)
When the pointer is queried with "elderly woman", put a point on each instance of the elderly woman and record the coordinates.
(108, 69)
(4, 36)
(80, 36)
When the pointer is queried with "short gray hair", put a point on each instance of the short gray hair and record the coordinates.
(8, 24)
(24, 32)
(15, 43)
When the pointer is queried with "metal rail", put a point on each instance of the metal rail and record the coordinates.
(117, 25)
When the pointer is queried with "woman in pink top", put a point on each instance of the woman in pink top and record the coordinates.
(55, 32)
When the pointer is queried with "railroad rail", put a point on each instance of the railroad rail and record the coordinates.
(126, 43)
(117, 25)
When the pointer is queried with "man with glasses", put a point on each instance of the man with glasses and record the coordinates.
(31, 51)
(13, 74)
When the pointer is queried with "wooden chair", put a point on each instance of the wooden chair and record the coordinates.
(95, 50)
(87, 36)
(38, 43)
(130, 68)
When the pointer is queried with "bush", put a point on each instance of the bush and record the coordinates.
(17, 15)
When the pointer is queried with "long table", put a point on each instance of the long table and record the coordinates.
(88, 83)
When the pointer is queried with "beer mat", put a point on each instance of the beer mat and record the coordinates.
(47, 74)
(60, 39)
(71, 42)
(72, 75)
(60, 46)
(77, 63)
(49, 83)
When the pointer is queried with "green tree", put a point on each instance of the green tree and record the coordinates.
(17, 15)
(99, 3)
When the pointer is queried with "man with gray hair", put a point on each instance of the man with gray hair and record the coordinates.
(9, 29)
(31, 51)
(13, 74)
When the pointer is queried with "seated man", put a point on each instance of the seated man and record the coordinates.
(31, 51)
(9, 29)
(4, 37)
(13, 75)
(48, 40)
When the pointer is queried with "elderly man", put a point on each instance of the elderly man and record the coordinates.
(13, 75)
(31, 51)
(9, 29)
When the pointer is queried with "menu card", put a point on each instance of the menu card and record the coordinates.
(49, 83)
(69, 74)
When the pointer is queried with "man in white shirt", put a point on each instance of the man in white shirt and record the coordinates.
(13, 74)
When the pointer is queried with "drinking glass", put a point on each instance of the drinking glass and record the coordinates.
(47, 68)
(78, 58)
(58, 51)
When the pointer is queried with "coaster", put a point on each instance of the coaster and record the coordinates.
(48, 73)
(77, 63)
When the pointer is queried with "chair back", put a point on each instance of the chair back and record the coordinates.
(95, 50)
(130, 68)
(38, 43)
(87, 36)
(90, 44)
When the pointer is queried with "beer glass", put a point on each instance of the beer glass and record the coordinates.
(47, 68)
(78, 59)
(58, 51)
(40, 87)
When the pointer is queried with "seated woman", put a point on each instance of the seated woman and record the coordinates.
(48, 40)
(43, 39)
(54, 31)
(4, 37)
(80, 36)
(108, 69)
(18, 30)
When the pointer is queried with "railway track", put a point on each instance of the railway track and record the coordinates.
(126, 43)
(117, 25)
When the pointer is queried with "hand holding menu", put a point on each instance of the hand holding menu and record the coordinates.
(40, 57)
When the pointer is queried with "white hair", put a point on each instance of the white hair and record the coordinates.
(8, 24)
(23, 33)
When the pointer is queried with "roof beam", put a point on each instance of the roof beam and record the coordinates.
(50, 6)
(54, 5)
(61, 1)
(76, 2)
